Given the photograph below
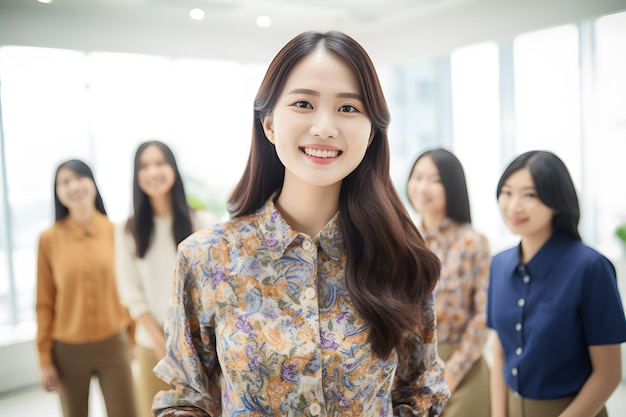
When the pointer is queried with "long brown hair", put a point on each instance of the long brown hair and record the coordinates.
(390, 272)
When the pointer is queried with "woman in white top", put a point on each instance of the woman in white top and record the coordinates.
(145, 252)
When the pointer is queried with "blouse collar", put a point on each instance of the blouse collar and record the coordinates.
(278, 235)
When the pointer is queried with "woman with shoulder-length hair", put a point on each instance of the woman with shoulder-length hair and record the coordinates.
(315, 299)
(553, 301)
(146, 254)
(81, 324)
(437, 190)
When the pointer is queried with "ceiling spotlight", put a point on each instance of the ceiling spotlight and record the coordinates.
(45, 1)
(263, 21)
(196, 14)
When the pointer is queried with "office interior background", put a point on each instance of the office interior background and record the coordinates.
(487, 79)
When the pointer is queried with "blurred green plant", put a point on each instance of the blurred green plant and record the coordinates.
(199, 197)
(621, 232)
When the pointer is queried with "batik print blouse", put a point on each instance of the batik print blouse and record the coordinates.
(461, 293)
(261, 324)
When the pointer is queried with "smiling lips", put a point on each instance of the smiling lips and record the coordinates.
(321, 153)
(516, 221)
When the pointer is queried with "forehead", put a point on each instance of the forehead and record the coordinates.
(67, 172)
(322, 70)
(151, 152)
(520, 178)
(426, 164)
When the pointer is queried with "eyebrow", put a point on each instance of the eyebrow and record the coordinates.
(316, 93)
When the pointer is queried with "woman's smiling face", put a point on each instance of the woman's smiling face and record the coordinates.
(319, 125)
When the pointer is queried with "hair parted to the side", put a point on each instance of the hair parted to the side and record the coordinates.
(390, 272)
(454, 184)
(82, 170)
(554, 187)
(141, 223)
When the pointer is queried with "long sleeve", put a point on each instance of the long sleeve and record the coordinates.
(190, 364)
(132, 294)
(46, 295)
(476, 333)
(419, 388)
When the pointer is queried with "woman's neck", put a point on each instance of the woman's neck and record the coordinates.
(162, 206)
(531, 244)
(83, 215)
(307, 209)
(432, 221)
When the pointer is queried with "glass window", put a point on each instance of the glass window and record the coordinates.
(547, 94)
(476, 127)
(605, 148)
(44, 120)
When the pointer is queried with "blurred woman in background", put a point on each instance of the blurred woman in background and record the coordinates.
(146, 246)
(438, 192)
(82, 326)
(553, 301)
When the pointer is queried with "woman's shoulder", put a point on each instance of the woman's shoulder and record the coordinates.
(471, 236)
(226, 233)
(582, 254)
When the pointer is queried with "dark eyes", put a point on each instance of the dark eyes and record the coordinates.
(346, 108)
(303, 105)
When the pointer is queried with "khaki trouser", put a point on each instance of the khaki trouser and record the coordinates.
(147, 383)
(526, 407)
(109, 361)
(471, 397)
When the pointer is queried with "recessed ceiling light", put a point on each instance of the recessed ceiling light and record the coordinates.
(45, 1)
(263, 21)
(196, 14)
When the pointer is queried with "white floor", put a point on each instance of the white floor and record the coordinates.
(34, 402)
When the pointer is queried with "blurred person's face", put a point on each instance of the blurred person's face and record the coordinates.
(156, 176)
(319, 125)
(426, 193)
(75, 192)
(522, 210)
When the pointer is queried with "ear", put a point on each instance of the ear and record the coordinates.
(372, 133)
(268, 128)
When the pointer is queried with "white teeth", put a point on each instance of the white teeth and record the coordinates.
(321, 153)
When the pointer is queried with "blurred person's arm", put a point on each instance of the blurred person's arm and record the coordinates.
(605, 376)
(499, 389)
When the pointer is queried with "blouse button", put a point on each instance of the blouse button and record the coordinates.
(307, 245)
(514, 371)
(315, 409)
(309, 293)
(518, 326)
(526, 279)
(521, 302)
(518, 351)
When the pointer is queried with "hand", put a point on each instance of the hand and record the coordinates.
(159, 346)
(49, 379)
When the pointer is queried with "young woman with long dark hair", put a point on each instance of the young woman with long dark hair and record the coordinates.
(437, 190)
(315, 299)
(146, 254)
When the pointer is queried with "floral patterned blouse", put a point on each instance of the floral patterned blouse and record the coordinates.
(461, 293)
(261, 324)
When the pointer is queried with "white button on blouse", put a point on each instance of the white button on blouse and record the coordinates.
(315, 409)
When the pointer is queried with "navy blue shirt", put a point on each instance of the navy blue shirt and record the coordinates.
(548, 312)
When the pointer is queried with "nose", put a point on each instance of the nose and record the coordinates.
(324, 124)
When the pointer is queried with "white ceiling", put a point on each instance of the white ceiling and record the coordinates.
(391, 30)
